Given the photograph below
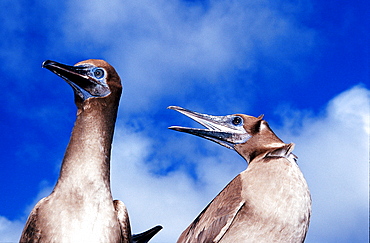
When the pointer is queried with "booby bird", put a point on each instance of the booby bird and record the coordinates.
(268, 202)
(81, 208)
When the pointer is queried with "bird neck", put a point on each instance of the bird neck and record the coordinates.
(86, 161)
(259, 145)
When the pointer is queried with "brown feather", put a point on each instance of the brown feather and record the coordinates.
(268, 202)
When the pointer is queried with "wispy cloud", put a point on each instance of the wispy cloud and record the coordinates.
(333, 154)
(10, 230)
(213, 58)
(168, 49)
(172, 199)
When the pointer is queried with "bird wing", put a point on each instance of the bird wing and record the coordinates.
(123, 219)
(214, 221)
(147, 235)
(124, 222)
(32, 230)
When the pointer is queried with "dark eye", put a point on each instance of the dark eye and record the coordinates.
(237, 121)
(98, 72)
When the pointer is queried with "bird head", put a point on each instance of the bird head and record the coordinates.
(89, 79)
(245, 134)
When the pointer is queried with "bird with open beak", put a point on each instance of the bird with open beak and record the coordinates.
(268, 202)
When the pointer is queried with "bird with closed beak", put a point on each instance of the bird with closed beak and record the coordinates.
(81, 208)
(268, 202)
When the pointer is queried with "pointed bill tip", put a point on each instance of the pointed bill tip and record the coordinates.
(176, 128)
(46, 63)
(184, 111)
(173, 107)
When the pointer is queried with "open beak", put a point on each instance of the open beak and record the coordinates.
(76, 76)
(219, 129)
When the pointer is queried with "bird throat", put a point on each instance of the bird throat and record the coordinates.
(86, 162)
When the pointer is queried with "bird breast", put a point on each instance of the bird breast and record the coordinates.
(278, 200)
(84, 221)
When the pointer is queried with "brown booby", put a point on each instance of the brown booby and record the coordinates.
(81, 208)
(268, 202)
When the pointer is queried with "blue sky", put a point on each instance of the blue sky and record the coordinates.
(304, 64)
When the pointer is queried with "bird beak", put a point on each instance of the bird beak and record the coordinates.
(219, 128)
(78, 77)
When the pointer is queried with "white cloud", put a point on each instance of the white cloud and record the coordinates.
(10, 230)
(333, 154)
(172, 200)
(167, 48)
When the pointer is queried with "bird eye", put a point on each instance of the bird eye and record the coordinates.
(237, 121)
(98, 73)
